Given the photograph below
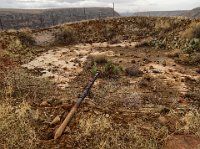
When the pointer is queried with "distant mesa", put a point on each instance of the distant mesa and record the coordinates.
(41, 18)
(194, 13)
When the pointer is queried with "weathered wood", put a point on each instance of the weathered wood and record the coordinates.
(68, 118)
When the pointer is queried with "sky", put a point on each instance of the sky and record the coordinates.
(120, 5)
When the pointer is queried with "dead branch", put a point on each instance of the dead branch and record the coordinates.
(62, 127)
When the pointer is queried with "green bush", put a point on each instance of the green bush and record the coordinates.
(108, 69)
(192, 46)
(94, 69)
(111, 69)
(158, 43)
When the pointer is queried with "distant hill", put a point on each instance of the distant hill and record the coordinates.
(194, 13)
(40, 18)
(160, 13)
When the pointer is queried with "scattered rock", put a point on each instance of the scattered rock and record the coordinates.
(151, 67)
(133, 61)
(198, 70)
(65, 69)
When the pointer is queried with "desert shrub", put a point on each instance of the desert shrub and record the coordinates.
(65, 36)
(194, 59)
(192, 46)
(158, 43)
(162, 24)
(111, 69)
(94, 69)
(192, 32)
(109, 32)
(26, 38)
(108, 69)
(116, 39)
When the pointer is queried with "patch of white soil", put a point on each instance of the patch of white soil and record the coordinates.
(63, 64)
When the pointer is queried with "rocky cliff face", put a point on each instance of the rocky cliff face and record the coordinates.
(16, 19)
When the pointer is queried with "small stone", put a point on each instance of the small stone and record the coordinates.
(198, 70)
(151, 67)
(51, 77)
(133, 61)
(65, 69)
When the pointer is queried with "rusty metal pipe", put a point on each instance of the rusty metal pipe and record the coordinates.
(68, 118)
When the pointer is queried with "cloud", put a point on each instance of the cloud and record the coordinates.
(120, 5)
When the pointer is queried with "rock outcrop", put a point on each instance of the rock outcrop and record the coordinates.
(16, 19)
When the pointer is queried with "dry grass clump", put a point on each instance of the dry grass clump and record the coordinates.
(194, 59)
(18, 91)
(192, 32)
(16, 130)
(112, 131)
(163, 24)
(109, 32)
(101, 132)
(65, 36)
(26, 38)
(191, 120)
(22, 85)
(19, 46)
(99, 57)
